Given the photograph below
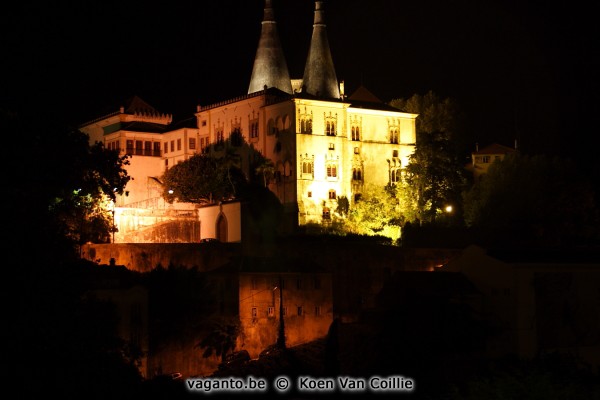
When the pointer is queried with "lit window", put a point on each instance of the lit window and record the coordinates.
(395, 175)
(330, 128)
(129, 147)
(355, 133)
(254, 129)
(219, 135)
(394, 135)
(331, 170)
(307, 168)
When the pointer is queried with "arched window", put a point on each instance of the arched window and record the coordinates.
(355, 133)
(394, 137)
(221, 228)
(395, 175)
(307, 167)
(332, 170)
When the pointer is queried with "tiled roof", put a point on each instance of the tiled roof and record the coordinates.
(138, 126)
(362, 94)
(495, 148)
(136, 104)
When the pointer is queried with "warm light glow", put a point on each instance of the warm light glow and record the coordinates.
(448, 209)
(170, 191)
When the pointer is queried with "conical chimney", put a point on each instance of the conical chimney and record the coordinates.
(319, 75)
(270, 68)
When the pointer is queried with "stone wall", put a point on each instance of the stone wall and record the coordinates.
(143, 257)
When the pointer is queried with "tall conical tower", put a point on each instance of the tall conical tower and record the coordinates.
(319, 75)
(270, 68)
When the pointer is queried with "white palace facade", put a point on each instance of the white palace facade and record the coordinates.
(323, 143)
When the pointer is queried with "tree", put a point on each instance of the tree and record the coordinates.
(375, 213)
(221, 338)
(202, 179)
(266, 170)
(537, 200)
(435, 175)
(62, 189)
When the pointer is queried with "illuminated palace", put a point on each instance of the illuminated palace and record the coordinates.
(323, 143)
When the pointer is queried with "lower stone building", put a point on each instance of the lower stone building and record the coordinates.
(272, 292)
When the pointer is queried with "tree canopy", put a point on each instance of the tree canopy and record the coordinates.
(535, 200)
(435, 175)
(202, 179)
(63, 189)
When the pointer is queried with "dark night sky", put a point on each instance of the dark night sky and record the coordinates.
(520, 69)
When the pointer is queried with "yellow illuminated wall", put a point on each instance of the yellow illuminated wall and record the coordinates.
(321, 149)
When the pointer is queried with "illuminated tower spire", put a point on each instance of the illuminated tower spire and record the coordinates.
(319, 75)
(270, 68)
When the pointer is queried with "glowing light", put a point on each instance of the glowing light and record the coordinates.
(448, 209)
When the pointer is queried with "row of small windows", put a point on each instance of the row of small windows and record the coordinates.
(299, 284)
(355, 131)
(141, 148)
(149, 148)
(331, 168)
(485, 159)
(300, 311)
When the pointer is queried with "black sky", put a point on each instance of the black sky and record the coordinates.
(520, 69)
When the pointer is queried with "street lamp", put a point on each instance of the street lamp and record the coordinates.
(281, 332)
(113, 222)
